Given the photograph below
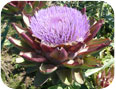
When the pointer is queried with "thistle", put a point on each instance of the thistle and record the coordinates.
(61, 40)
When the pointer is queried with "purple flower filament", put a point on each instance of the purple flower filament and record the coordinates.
(58, 25)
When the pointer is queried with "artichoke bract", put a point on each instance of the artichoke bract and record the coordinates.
(28, 7)
(60, 39)
(105, 77)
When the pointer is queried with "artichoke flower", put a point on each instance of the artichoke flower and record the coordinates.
(62, 41)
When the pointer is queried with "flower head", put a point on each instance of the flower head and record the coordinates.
(71, 37)
(58, 25)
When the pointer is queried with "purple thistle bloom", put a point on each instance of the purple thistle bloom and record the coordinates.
(58, 25)
(66, 41)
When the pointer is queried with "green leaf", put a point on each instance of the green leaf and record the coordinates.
(65, 76)
(40, 79)
(106, 64)
(28, 8)
(92, 61)
(35, 4)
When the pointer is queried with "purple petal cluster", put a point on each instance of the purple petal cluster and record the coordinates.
(58, 25)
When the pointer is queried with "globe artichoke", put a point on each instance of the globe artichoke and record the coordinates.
(62, 41)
